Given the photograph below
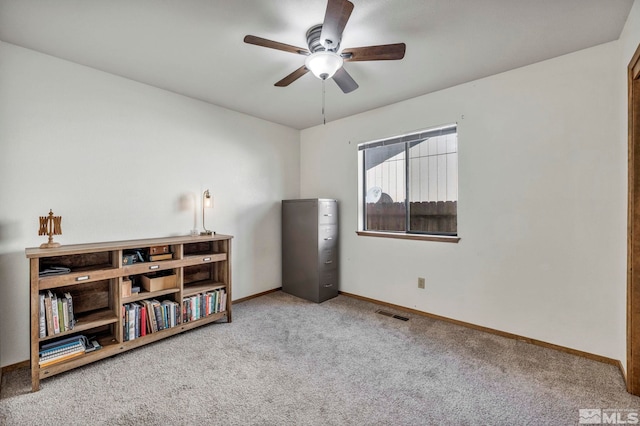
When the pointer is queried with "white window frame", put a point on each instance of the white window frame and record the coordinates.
(409, 137)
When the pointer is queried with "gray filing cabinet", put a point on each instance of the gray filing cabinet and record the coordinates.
(310, 248)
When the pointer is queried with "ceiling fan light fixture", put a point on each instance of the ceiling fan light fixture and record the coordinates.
(324, 64)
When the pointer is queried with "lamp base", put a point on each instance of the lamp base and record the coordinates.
(49, 245)
(206, 233)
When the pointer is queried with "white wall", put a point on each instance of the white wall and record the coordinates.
(541, 212)
(115, 158)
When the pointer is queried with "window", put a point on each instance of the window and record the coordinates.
(410, 183)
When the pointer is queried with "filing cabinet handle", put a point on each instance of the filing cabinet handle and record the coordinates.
(83, 278)
(328, 261)
(328, 214)
(328, 238)
(328, 285)
(154, 267)
(206, 259)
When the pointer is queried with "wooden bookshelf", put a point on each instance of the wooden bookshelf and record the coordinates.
(201, 264)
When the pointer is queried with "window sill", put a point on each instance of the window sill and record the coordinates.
(440, 238)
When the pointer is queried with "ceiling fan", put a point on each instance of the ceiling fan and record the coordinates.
(324, 58)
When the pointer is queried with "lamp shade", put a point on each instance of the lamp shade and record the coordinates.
(207, 201)
(323, 64)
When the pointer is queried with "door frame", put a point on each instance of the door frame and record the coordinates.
(633, 227)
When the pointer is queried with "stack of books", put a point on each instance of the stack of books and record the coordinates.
(62, 350)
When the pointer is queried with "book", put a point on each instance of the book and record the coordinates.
(152, 325)
(132, 321)
(136, 319)
(42, 321)
(162, 256)
(154, 320)
(191, 308)
(65, 313)
(54, 270)
(49, 314)
(157, 310)
(185, 311)
(165, 314)
(143, 319)
(169, 312)
(61, 342)
(61, 358)
(176, 306)
(54, 310)
(125, 326)
(72, 319)
(60, 315)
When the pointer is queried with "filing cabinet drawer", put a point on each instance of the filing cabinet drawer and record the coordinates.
(328, 259)
(328, 284)
(327, 212)
(327, 235)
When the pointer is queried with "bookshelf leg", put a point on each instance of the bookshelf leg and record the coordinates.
(35, 380)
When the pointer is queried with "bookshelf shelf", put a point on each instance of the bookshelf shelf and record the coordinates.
(149, 295)
(94, 292)
(202, 287)
(107, 350)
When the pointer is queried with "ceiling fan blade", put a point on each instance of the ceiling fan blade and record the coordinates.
(383, 52)
(335, 19)
(259, 41)
(344, 81)
(292, 77)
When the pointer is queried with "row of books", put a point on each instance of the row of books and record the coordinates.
(204, 304)
(148, 316)
(56, 313)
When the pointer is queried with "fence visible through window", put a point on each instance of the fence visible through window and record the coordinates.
(411, 183)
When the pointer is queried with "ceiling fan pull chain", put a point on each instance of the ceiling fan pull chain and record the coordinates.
(324, 119)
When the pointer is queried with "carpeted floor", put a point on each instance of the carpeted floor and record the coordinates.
(286, 361)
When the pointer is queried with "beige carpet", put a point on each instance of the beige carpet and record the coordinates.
(287, 361)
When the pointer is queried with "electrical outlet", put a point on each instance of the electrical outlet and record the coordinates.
(421, 282)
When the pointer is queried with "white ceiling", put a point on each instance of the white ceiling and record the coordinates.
(195, 47)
